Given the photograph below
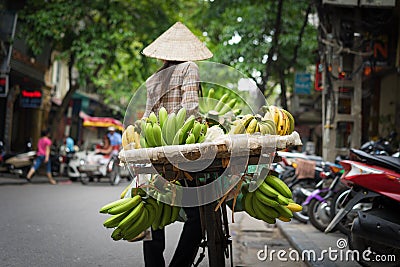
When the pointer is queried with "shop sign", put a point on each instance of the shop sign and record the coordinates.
(302, 83)
(31, 98)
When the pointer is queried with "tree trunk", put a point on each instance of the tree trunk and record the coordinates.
(274, 48)
(283, 89)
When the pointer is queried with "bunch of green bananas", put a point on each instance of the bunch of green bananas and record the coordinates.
(171, 129)
(283, 119)
(132, 215)
(219, 107)
(253, 123)
(270, 201)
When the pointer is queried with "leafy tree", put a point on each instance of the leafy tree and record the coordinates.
(267, 40)
(101, 39)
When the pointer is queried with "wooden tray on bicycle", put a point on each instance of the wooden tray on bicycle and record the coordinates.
(216, 155)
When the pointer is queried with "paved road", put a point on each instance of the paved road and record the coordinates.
(59, 225)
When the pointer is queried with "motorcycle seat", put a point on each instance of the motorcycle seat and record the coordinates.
(392, 163)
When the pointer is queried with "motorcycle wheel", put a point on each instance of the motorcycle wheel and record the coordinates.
(337, 203)
(25, 171)
(319, 213)
(84, 178)
(300, 197)
(114, 175)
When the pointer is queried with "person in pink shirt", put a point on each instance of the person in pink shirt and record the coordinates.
(42, 155)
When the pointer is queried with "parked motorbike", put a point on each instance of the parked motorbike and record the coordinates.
(16, 163)
(375, 180)
(382, 146)
(319, 202)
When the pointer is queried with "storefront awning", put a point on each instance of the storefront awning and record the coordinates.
(103, 122)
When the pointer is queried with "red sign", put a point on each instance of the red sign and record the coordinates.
(31, 98)
(3, 85)
(31, 94)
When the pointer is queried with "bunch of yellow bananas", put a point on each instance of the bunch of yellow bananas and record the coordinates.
(252, 124)
(282, 118)
(134, 214)
(130, 138)
(270, 201)
(220, 106)
(171, 129)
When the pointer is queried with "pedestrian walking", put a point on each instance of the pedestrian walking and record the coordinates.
(42, 156)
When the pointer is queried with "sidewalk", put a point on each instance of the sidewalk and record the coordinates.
(305, 238)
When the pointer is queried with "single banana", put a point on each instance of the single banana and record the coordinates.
(157, 134)
(178, 137)
(267, 190)
(180, 117)
(162, 116)
(150, 135)
(279, 185)
(143, 142)
(196, 130)
(210, 99)
(252, 126)
(286, 122)
(152, 118)
(229, 106)
(239, 128)
(221, 103)
(110, 205)
(284, 219)
(202, 138)
(294, 207)
(123, 193)
(191, 139)
(260, 214)
(136, 227)
(284, 211)
(282, 200)
(136, 137)
(271, 126)
(264, 199)
(204, 128)
(133, 202)
(265, 209)
(291, 121)
(248, 204)
(117, 234)
(132, 216)
(114, 220)
(187, 126)
(124, 140)
(247, 119)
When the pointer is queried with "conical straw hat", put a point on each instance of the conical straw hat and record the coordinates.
(178, 43)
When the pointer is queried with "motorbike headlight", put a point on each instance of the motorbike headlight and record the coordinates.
(82, 162)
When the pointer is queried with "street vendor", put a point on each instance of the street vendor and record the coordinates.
(175, 85)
